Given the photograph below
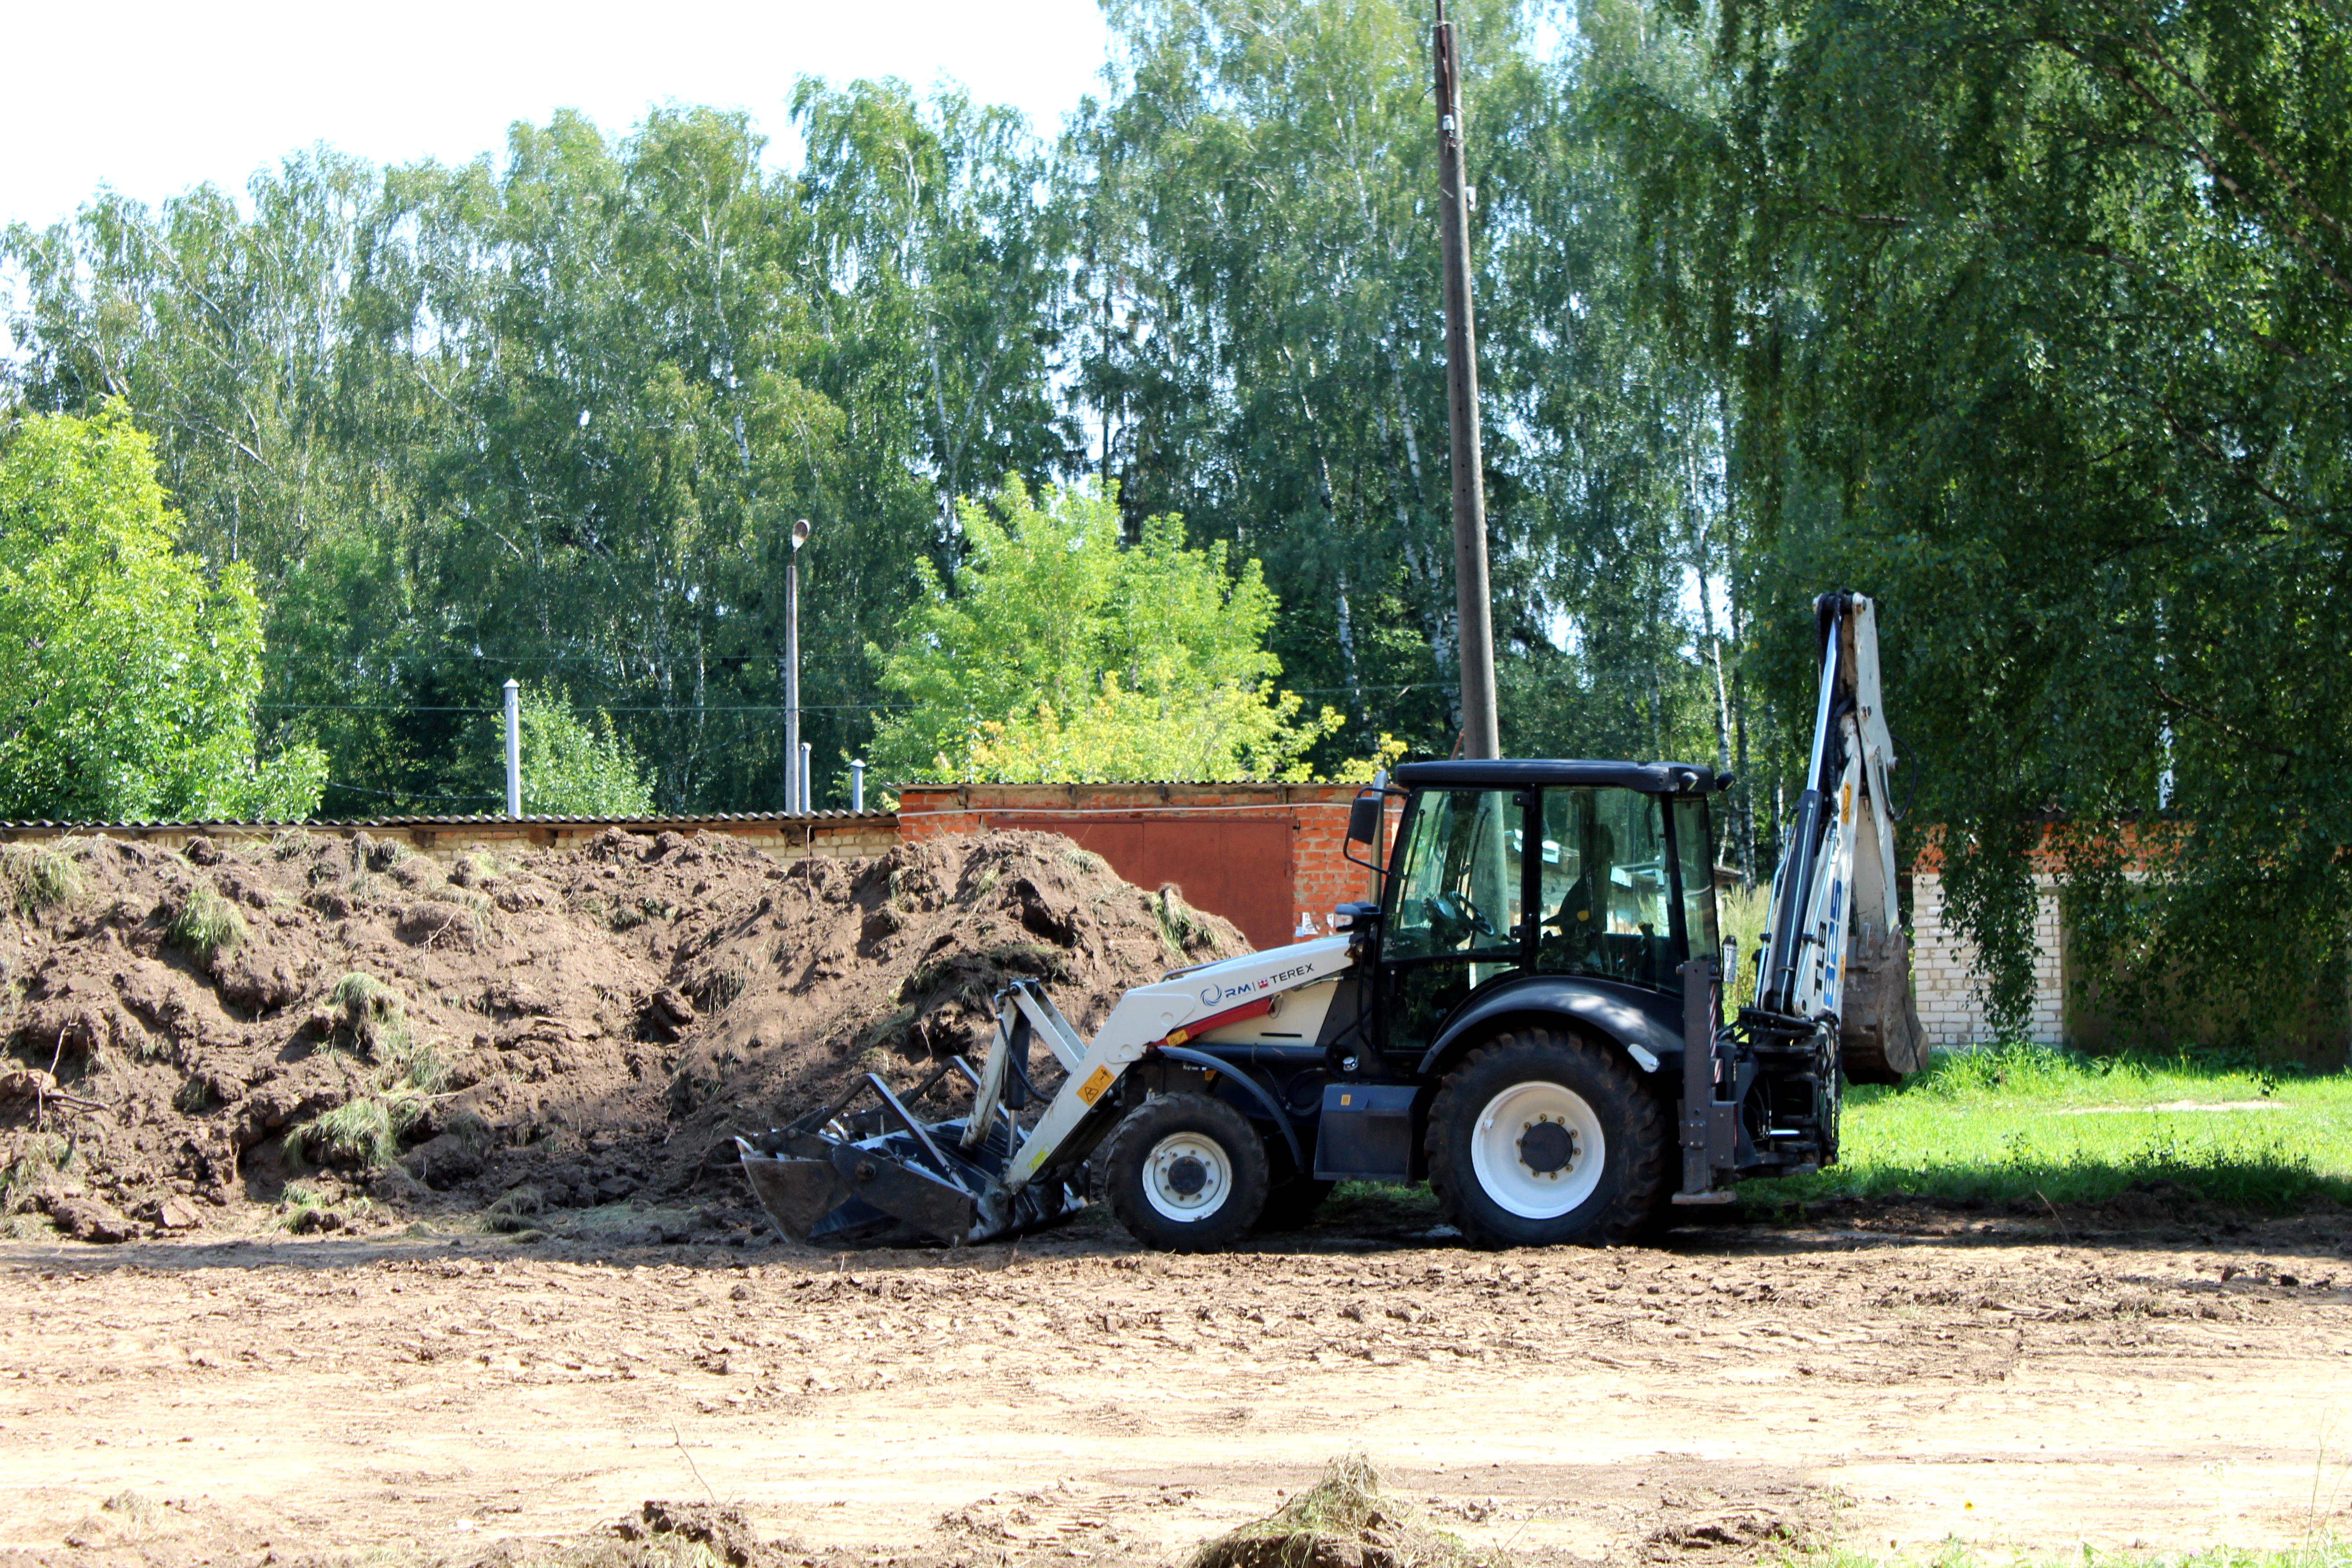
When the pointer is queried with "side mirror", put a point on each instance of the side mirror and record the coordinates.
(1364, 818)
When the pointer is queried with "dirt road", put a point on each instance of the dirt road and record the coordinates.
(424, 1400)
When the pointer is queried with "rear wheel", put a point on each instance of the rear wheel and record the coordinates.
(1186, 1173)
(1540, 1138)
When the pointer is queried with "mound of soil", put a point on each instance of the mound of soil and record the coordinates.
(1343, 1521)
(308, 1022)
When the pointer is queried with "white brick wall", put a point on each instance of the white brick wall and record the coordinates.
(1942, 972)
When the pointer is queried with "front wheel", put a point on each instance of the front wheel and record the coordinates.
(1186, 1173)
(1539, 1139)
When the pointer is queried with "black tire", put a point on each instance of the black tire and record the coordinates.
(1293, 1204)
(1173, 1142)
(1498, 1190)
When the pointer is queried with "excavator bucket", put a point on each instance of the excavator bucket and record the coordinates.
(1879, 1037)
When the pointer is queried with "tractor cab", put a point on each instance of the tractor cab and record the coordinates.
(1514, 883)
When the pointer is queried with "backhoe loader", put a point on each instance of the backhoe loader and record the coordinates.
(1529, 1018)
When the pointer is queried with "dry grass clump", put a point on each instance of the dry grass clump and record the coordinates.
(34, 877)
(32, 1160)
(367, 1130)
(1341, 1521)
(368, 1014)
(360, 1131)
(207, 922)
(1188, 933)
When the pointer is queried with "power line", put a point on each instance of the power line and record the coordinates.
(774, 707)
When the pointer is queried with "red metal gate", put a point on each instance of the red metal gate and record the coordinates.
(1237, 867)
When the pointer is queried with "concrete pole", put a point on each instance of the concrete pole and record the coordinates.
(795, 774)
(857, 785)
(514, 747)
(1474, 607)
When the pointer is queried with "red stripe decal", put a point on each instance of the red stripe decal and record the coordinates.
(1193, 1031)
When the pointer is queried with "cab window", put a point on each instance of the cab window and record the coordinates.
(1458, 890)
(1604, 887)
(1694, 848)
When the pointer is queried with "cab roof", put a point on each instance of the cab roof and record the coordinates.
(1650, 778)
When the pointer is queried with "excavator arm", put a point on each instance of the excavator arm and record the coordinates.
(1834, 947)
(1833, 998)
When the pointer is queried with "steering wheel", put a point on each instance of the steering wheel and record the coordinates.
(1453, 916)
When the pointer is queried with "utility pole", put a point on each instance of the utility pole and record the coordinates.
(514, 747)
(1473, 605)
(795, 785)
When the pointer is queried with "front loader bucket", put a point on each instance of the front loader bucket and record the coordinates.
(836, 1191)
(797, 1193)
(824, 1185)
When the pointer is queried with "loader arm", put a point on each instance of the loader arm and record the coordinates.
(985, 1174)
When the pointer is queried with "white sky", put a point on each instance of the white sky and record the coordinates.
(154, 99)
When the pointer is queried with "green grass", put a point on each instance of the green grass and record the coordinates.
(2047, 1126)
(1740, 913)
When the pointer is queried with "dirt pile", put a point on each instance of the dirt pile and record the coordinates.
(351, 1033)
(1343, 1521)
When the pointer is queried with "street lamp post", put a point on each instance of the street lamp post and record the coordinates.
(795, 774)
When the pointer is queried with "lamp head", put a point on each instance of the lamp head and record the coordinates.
(800, 534)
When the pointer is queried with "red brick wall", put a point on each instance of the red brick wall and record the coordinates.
(1320, 876)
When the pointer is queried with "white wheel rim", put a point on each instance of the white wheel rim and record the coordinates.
(1501, 1165)
(1178, 1159)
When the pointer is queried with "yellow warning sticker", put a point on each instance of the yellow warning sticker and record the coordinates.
(1097, 1081)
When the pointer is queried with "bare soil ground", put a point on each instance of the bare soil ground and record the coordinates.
(1890, 1380)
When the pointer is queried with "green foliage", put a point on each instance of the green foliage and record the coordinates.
(38, 876)
(206, 923)
(2041, 1126)
(572, 768)
(1062, 654)
(553, 412)
(2035, 321)
(127, 680)
(360, 1131)
(1739, 915)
